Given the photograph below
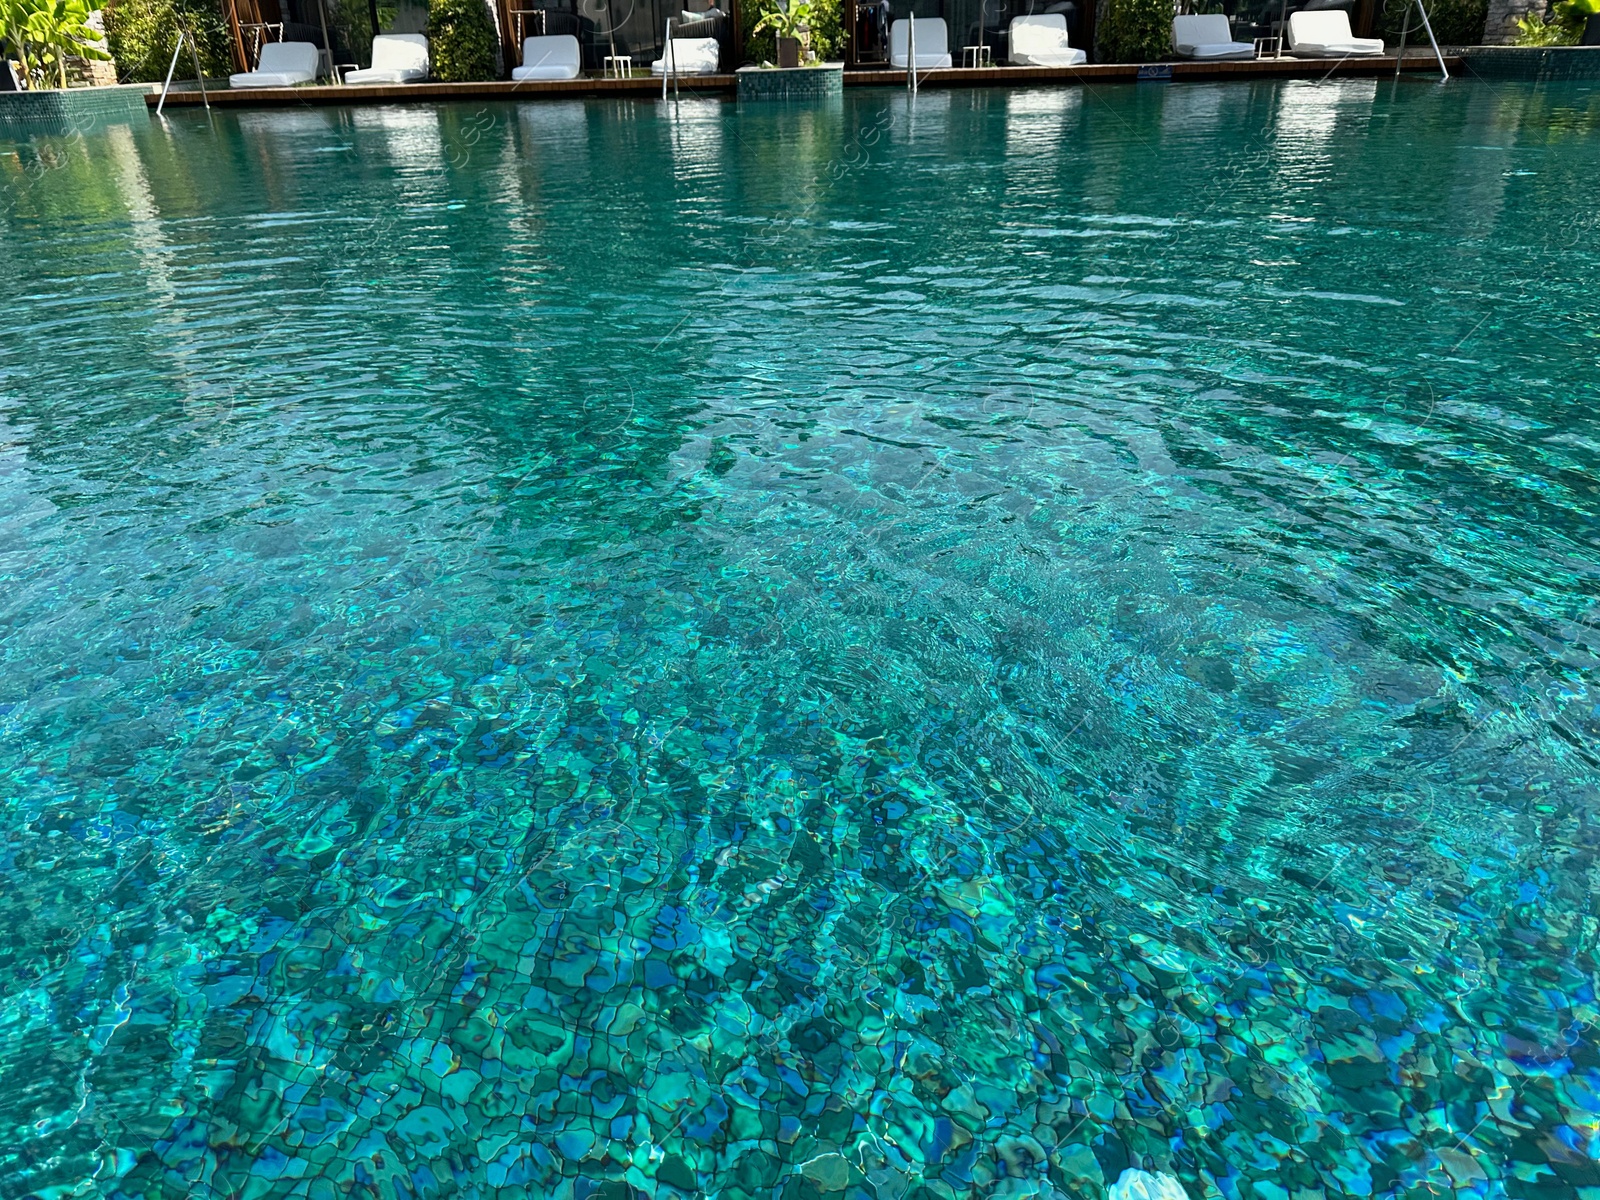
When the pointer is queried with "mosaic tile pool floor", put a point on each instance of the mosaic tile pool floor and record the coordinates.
(874, 651)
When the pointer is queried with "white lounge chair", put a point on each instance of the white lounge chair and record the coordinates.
(396, 58)
(689, 56)
(1041, 41)
(552, 57)
(1327, 34)
(1209, 38)
(282, 64)
(933, 43)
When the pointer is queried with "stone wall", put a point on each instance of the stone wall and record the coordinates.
(1501, 27)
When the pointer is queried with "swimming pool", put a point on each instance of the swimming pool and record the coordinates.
(897, 650)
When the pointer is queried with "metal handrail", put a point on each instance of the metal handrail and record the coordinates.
(1405, 26)
(669, 65)
(200, 76)
(911, 52)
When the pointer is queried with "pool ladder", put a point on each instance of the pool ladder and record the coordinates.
(911, 51)
(200, 76)
(1405, 25)
(669, 65)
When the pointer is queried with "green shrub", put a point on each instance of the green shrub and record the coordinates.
(1136, 31)
(142, 33)
(1455, 22)
(1563, 27)
(461, 40)
(827, 29)
(45, 34)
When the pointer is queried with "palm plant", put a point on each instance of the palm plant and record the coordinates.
(44, 34)
(61, 29)
(14, 31)
(787, 22)
(1562, 27)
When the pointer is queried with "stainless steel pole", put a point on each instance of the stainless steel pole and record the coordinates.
(911, 51)
(199, 75)
(171, 67)
(1437, 53)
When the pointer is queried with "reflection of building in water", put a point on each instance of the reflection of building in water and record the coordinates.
(693, 130)
(1038, 120)
(554, 127)
(1310, 111)
(186, 353)
(410, 137)
(1039, 125)
(1195, 109)
(923, 116)
(1308, 117)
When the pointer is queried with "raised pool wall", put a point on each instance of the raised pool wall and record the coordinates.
(1533, 62)
(69, 110)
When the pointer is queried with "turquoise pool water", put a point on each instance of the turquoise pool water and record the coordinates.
(887, 651)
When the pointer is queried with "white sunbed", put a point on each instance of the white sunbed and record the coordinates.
(396, 58)
(1041, 41)
(689, 56)
(554, 56)
(283, 64)
(933, 43)
(1208, 37)
(1326, 34)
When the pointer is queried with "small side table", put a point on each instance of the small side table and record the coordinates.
(1269, 47)
(617, 66)
(340, 70)
(973, 57)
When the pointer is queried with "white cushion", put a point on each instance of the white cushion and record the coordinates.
(1207, 36)
(1041, 41)
(1203, 29)
(1354, 48)
(1326, 34)
(396, 58)
(400, 52)
(283, 64)
(375, 75)
(690, 56)
(1219, 50)
(933, 43)
(552, 57)
(288, 58)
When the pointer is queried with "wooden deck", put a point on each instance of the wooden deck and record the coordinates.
(644, 86)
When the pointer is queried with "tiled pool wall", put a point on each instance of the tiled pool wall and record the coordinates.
(57, 110)
(796, 83)
(1532, 62)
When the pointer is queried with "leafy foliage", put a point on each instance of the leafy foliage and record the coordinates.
(1137, 31)
(44, 34)
(461, 40)
(1562, 27)
(823, 17)
(1455, 22)
(142, 33)
(786, 22)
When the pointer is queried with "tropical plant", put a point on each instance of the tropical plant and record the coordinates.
(822, 17)
(1562, 27)
(461, 40)
(14, 31)
(143, 33)
(787, 22)
(44, 34)
(1136, 31)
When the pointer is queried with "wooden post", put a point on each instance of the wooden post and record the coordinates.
(240, 62)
